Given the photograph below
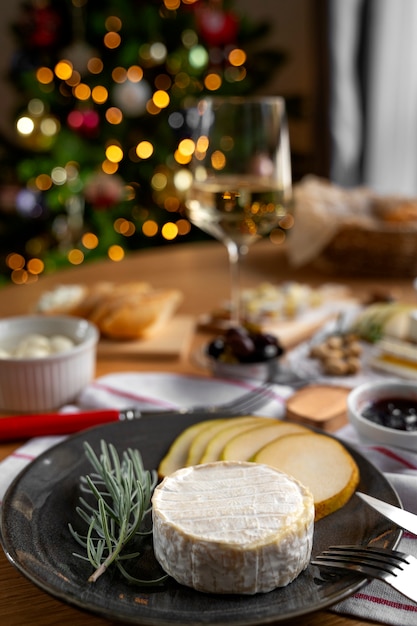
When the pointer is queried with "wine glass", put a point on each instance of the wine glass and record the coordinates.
(241, 175)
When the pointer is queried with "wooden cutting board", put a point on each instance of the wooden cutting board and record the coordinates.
(322, 406)
(170, 342)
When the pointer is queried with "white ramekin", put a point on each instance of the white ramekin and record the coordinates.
(46, 383)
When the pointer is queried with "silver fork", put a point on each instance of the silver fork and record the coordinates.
(250, 401)
(397, 569)
(247, 403)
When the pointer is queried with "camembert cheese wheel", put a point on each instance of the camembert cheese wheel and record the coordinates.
(232, 527)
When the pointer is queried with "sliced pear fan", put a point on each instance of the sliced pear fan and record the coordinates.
(320, 463)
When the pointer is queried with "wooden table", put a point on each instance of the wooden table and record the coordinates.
(200, 271)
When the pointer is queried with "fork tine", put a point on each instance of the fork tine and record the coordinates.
(397, 569)
(250, 401)
(387, 561)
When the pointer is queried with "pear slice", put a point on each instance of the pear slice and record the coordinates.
(176, 457)
(214, 447)
(201, 440)
(320, 463)
(246, 444)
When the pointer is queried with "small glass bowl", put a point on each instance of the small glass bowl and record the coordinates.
(370, 432)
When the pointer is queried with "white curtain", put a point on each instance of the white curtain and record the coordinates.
(373, 94)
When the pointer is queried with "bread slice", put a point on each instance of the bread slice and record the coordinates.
(319, 462)
(244, 445)
(62, 300)
(135, 315)
(124, 311)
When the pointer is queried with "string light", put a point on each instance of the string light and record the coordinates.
(95, 65)
(114, 153)
(200, 66)
(63, 70)
(44, 75)
(114, 115)
(213, 81)
(75, 256)
(150, 228)
(169, 231)
(35, 266)
(144, 149)
(116, 253)
(89, 241)
(161, 99)
(112, 40)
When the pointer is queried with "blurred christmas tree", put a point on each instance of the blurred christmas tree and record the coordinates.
(98, 165)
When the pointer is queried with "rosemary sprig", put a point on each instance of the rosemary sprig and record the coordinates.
(121, 491)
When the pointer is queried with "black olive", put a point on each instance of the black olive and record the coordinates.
(216, 347)
(245, 346)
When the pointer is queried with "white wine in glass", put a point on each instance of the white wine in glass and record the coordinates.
(241, 169)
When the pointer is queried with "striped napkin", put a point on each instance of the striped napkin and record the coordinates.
(376, 601)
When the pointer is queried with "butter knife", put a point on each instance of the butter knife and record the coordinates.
(17, 427)
(404, 519)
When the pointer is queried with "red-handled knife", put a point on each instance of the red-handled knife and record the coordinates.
(38, 425)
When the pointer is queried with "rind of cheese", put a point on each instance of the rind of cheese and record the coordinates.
(232, 527)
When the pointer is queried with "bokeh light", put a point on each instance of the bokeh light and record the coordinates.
(25, 125)
(82, 91)
(116, 253)
(212, 82)
(63, 70)
(44, 75)
(144, 149)
(114, 153)
(150, 228)
(169, 231)
(35, 266)
(114, 115)
(95, 65)
(75, 256)
(89, 241)
(161, 99)
(218, 160)
(99, 94)
(112, 40)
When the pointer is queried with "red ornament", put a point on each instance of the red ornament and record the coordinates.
(104, 191)
(86, 123)
(216, 27)
(44, 29)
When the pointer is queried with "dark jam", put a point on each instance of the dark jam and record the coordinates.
(398, 413)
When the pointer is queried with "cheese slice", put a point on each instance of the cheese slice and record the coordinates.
(232, 527)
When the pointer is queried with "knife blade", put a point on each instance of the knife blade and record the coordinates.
(404, 519)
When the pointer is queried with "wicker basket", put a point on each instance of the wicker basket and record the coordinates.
(389, 251)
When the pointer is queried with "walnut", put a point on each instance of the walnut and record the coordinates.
(353, 365)
(338, 354)
(335, 367)
(335, 342)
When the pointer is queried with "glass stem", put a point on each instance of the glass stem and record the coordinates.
(235, 253)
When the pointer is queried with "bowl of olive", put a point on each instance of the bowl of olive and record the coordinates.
(242, 353)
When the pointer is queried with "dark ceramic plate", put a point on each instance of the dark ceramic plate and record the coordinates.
(41, 501)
